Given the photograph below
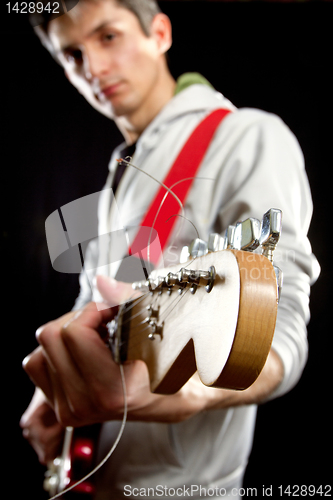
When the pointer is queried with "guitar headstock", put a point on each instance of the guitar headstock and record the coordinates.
(215, 314)
(245, 235)
(248, 235)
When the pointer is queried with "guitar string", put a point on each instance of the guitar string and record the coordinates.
(166, 315)
(140, 341)
(152, 303)
(127, 161)
(134, 335)
(169, 191)
(121, 430)
(175, 299)
(114, 446)
(134, 302)
(122, 427)
(174, 215)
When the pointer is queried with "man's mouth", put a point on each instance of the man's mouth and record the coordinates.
(110, 90)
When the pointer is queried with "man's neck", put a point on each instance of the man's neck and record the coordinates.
(133, 126)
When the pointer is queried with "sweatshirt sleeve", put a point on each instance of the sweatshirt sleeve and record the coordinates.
(265, 169)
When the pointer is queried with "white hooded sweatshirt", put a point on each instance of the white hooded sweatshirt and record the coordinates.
(253, 163)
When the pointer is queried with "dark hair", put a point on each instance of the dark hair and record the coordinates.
(144, 10)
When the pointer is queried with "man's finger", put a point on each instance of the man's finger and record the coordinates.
(36, 367)
(114, 292)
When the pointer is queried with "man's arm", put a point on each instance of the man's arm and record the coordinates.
(82, 383)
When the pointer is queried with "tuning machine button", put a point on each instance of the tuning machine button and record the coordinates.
(279, 281)
(172, 279)
(229, 236)
(216, 242)
(198, 248)
(141, 286)
(270, 231)
(192, 277)
(246, 235)
(184, 255)
(153, 314)
(198, 278)
(155, 330)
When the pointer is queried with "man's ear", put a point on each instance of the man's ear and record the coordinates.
(161, 30)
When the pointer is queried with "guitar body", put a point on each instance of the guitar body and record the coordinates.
(76, 461)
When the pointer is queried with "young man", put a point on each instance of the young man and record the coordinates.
(114, 54)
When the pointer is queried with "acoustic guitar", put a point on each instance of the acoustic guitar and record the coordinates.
(215, 314)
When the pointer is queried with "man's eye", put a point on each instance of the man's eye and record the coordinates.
(108, 37)
(74, 56)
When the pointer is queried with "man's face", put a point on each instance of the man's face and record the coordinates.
(107, 56)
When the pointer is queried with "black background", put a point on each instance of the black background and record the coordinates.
(55, 148)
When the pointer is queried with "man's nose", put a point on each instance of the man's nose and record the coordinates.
(95, 64)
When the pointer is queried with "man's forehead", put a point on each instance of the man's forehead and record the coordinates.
(81, 21)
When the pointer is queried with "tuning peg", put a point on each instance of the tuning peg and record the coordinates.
(270, 231)
(216, 242)
(155, 330)
(229, 236)
(198, 248)
(197, 277)
(279, 281)
(152, 314)
(141, 286)
(184, 255)
(246, 235)
(149, 285)
(172, 279)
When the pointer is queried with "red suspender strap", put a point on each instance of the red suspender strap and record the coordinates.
(179, 178)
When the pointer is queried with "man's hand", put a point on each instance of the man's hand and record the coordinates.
(41, 428)
(76, 372)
